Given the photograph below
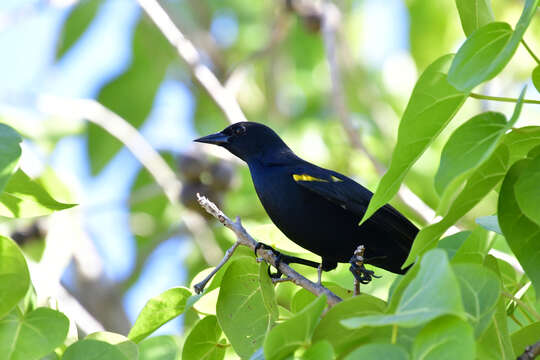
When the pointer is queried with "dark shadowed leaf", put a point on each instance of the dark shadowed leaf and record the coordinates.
(244, 308)
(447, 337)
(433, 103)
(202, 343)
(421, 300)
(14, 275)
(286, 337)
(77, 21)
(379, 351)
(487, 51)
(10, 151)
(474, 14)
(158, 311)
(33, 335)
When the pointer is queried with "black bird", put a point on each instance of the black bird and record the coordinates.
(316, 208)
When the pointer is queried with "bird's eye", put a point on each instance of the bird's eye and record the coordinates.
(239, 130)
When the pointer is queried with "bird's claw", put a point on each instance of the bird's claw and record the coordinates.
(279, 259)
(360, 273)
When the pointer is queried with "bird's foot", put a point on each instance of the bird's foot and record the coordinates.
(279, 259)
(359, 271)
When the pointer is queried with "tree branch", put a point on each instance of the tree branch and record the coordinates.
(221, 96)
(243, 238)
(531, 352)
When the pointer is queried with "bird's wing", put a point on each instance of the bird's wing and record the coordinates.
(353, 197)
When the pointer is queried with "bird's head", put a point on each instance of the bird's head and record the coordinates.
(247, 140)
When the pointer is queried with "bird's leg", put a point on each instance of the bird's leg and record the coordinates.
(282, 258)
(359, 271)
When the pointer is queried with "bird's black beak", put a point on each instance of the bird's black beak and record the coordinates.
(216, 139)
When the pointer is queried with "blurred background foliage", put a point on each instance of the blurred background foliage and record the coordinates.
(273, 60)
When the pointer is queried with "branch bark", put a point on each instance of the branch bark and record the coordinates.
(531, 352)
(243, 238)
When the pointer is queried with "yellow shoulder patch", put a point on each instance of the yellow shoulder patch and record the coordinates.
(336, 179)
(305, 177)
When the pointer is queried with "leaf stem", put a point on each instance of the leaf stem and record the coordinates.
(523, 305)
(513, 317)
(394, 333)
(530, 52)
(502, 99)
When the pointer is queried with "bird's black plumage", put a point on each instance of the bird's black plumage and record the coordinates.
(318, 209)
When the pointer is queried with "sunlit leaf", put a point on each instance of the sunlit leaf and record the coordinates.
(89, 349)
(421, 300)
(443, 338)
(520, 141)
(23, 197)
(32, 335)
(525, 336)
(77, 21)
(433, 103)
(487, 51)
(10, 151)
(474, 14)
(126, 346)
(244, 312)
(319, 351)
(379, 351)
(202, 343)
(162, 347)
(536, 78)
(286, 337)
(452, 243)
(474, 249)
(14, 275)
(158, 311)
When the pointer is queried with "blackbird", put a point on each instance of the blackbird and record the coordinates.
(316, 208)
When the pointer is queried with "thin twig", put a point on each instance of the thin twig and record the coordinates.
(533, 55)
(502, 99)
(221, 96)
(243, 238)
(199, 287)
(531, 352)
(522, 304)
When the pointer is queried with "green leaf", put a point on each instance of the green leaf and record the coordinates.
(487, 51)
(378, 351)
(33, 335)
(520, 141)
(481, 182)
(495, 342)
(445, 338)
(244, 312)
(474, 14)
(23, 197)
(522, 234)
(525, 336)
(342, 338)
(301, 299)
(480, 289)
(14, 275)
(286, 337)
(162, 347)
(158, 311)
(202, 343)
(527, 191)
(536, 78)
(76, 23)
(433, 103)
(126, 346)
(89, 349)
(421, 301)
(474, 249)
(10, 152)
(468, 146)
(319, 351)
(131, 95)
(489, 223)
(452, 243)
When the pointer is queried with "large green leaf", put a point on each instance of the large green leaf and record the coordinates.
(527, 191)
(245, 309)
(90, 349)
(379, 351)
(320, 351)
(287, 336)
(421, 301)
(536, 78)
(468, 146)
(520, 141)
(162, 347)
(10, 152)
(158, 311)
(474, 14)
(480, 289)
(23, 197)
(76, 23)
(14, 275)
(445, 338)
(481, 182)
(126, 346)
(522, 234)
(131, 95)
(487, 51)
(474, 249)
(202, 343)
(33, 335)
(525, 336)
(342, 338)
(433, 103)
